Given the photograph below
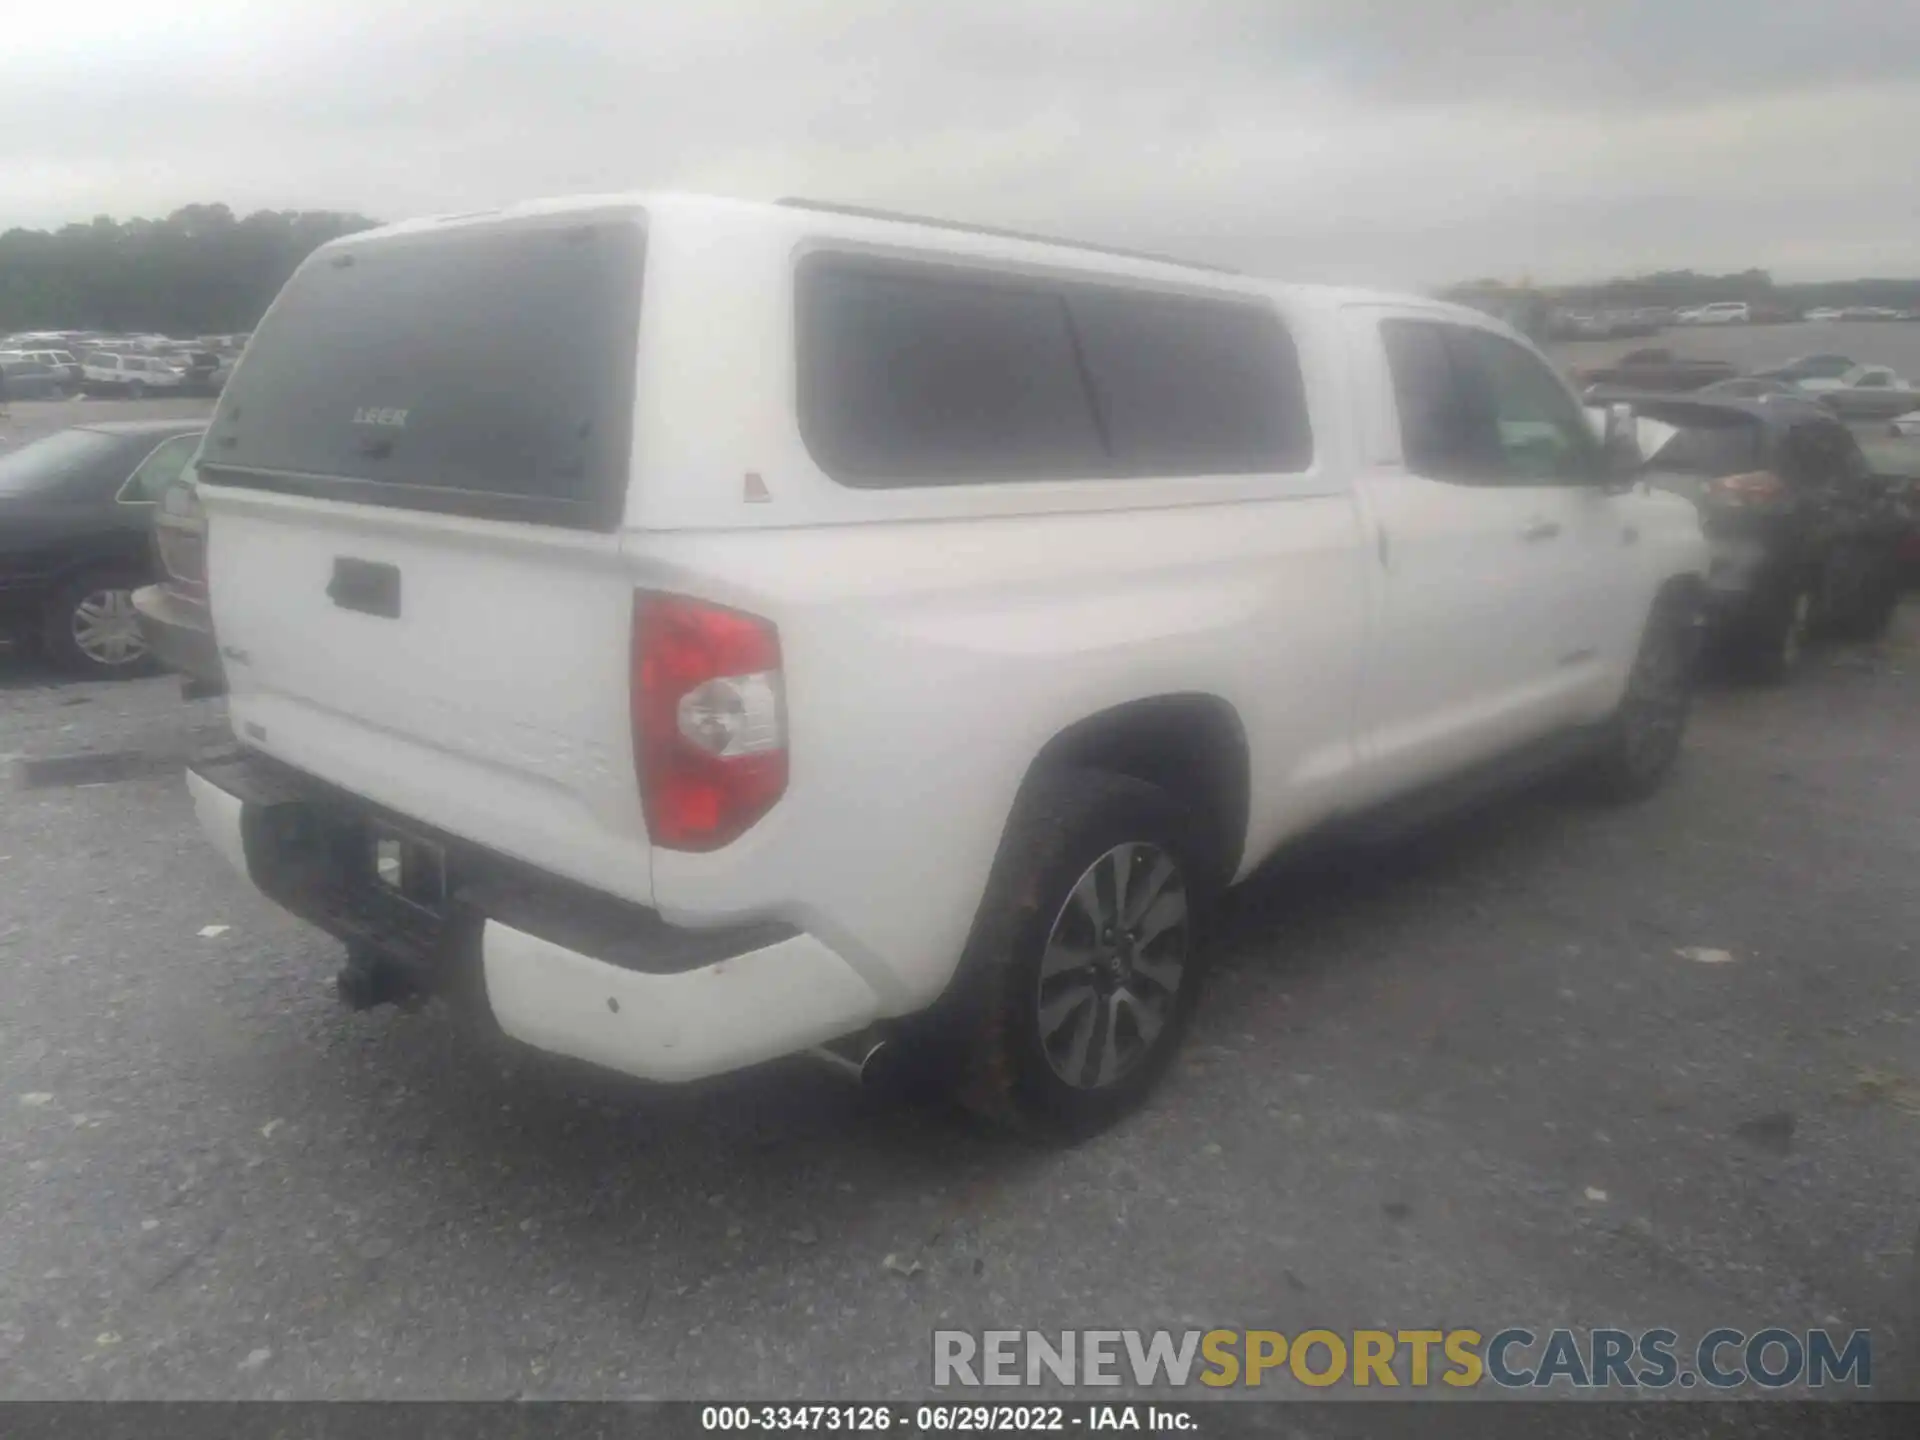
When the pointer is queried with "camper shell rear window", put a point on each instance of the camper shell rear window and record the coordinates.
(484, 370)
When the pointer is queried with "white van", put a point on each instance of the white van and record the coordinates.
(707, 630)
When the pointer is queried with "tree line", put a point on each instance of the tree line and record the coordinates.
(1679, 289)
(200, 271)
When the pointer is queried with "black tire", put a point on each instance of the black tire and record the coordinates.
(1859, 591)
(60, 630)
(1772, 642)
(1641, 740)
(1013, 979)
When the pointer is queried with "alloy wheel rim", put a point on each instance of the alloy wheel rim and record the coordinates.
(106, 628)
(1111, 974)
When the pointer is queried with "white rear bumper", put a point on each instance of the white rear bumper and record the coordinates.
(755, 1006)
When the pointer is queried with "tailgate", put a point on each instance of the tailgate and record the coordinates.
(414, 482)
(472, 675)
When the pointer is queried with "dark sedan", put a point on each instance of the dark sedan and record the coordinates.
(1805, 537)
(76, 512)
(25, 379)
(1656, 369)
(173, 612)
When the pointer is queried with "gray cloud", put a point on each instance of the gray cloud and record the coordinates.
(1387, 140)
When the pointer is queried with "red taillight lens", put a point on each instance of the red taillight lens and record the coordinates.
(1760, 487)
(709, 720)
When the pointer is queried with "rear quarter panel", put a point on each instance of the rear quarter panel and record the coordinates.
(928, 664)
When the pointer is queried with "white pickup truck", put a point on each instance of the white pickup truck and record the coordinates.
(704, 631)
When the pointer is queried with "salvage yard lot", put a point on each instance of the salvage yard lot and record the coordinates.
(1467, 1081)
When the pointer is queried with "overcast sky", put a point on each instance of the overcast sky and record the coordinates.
(1392, 141)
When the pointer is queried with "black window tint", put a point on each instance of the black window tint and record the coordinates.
(1445, 433)
(1822, 452)
(914, 376)
(1709, 448)
(485, 370)
(923, 374)
(159, 470)
(1190, 386)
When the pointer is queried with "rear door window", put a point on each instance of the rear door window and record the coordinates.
(911, 375)
(485, 370)
(1188, 386)
(159, 470)
(1822, 453)
(1708, 448)
(915, 374)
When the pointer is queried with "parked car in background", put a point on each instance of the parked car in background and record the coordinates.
(1808, 367)
(1869, 312)
(30, 379)
(198, 365)
(1822, 315)
(1867, 392)
(1805, 537)
(1655, 369)
(76, 510)
(1576, 325)
(1907, 425)
(1620, 324)
(1721, 312)
(134, 376)
(528, 706)
(1757, 387)
(173, 614)
(61, 362)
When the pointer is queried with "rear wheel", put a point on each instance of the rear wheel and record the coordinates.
(137, 391)
(1085, 964)
(91, 628)
(1773, 643)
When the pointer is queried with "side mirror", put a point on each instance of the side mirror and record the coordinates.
(1620, 457)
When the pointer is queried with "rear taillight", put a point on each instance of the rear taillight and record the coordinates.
(1759, 487)
(709, 720)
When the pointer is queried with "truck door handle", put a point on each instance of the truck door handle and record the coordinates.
(1540, 530)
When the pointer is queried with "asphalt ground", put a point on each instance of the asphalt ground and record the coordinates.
(1469, 1080)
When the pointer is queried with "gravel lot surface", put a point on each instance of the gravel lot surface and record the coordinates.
(1470, 1080)
(1466, 1081)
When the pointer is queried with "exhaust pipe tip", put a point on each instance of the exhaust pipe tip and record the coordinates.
(859, 1057)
